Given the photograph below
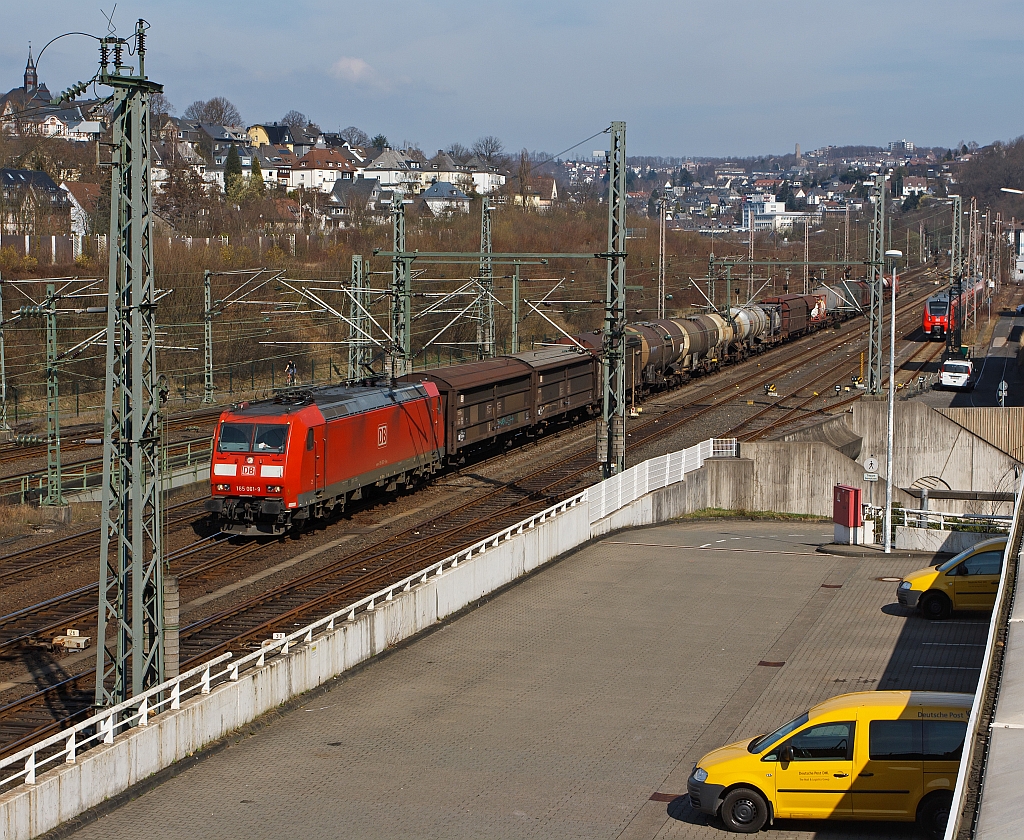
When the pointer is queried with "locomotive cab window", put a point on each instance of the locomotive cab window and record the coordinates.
(235, 437)
(252, 437)
(309, 440)
(270, 438)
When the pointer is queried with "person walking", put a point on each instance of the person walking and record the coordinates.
(290, 372)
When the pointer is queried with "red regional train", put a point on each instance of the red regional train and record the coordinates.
(937, 309)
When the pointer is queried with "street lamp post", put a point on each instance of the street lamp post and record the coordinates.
(887, 525)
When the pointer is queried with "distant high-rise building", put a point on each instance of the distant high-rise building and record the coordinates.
(798, 156)
(901, 146)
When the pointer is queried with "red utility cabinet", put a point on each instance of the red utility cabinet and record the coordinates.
(846, 506)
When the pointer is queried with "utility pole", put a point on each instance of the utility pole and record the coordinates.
(846, 236)
(399, 352)
(54, 490)
(920, 243)
(661, 257)
(956, 274)
(611, 433)
(131, 516)
(207, 338)
(807, 255)
(876, 282)
(485, 301)
(6, 432)
(359, 349)
(515, 309)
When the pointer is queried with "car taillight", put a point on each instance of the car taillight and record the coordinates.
(223, 486)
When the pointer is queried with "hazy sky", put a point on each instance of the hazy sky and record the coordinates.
(740, 77)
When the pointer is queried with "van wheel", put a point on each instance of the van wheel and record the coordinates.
(933, 814)
(936, 606)
(744, 810)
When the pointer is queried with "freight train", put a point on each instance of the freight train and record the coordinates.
(278, 463)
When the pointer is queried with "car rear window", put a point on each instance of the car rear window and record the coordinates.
(956, 367)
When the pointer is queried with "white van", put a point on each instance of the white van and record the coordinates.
(957, 373)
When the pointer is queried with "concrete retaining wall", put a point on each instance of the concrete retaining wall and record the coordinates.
(928, 539)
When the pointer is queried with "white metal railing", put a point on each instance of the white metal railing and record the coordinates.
(653, 474)
(103, 727)
(935, 519)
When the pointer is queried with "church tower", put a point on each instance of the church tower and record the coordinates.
(31, 80)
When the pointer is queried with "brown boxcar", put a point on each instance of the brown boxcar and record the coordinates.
(795, 314)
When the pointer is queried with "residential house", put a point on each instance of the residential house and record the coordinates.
(276, 165)
(319, 169)
(915, 185)
(445, 199)
(394, 168)
(270, 134)
(541, 194)
(281, 215)
(359, 199)
(32, 204)
(83, 199)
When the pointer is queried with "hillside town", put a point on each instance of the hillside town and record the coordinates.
(291, 176)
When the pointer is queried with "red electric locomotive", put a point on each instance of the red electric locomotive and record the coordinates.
(300, 455)
(936, 316)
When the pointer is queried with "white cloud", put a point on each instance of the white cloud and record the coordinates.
(351, 69)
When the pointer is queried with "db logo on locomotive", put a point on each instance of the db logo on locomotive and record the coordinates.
(382, 436)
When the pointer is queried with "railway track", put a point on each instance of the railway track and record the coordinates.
(361, 572)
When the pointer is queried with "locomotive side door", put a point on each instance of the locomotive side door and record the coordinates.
(320, 457)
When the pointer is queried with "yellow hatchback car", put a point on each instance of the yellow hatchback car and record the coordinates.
(967, 581)
(872, 755)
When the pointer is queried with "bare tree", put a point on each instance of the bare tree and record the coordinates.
(295, 119)
(160, 107)
(356, 136)
(216, 111)
(490, 148)
(458, 151)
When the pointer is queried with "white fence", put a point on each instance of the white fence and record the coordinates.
(18, 772)
(653, 474)
(917, 518)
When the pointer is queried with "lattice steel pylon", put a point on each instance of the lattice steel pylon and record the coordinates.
(876, 283)
(954, 331)
(611, 435)
(484, 309)
(207, 337)
(400, 347)
(131, 548)
(360, 349)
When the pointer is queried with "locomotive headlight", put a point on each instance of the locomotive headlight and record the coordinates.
(223, 486)
(249, 459)
(273, 488)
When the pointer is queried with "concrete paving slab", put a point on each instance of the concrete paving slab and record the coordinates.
(574, 704)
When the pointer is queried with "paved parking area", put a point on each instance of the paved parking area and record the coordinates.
(574, 704)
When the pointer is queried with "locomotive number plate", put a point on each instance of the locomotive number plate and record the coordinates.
(244, 489)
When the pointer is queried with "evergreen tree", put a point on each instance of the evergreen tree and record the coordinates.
(256, 184)
(232, 166)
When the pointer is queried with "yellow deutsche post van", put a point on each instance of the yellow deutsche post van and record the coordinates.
(966, 582)
(872, 755)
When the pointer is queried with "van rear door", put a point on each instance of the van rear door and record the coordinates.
(888, 781)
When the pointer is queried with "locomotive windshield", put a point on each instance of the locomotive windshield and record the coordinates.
(252, 437)
(936, 307)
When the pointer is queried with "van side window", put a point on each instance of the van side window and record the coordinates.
(985, 563)
(309, 440)
(894, 740)
(944, 739)
(822, 742)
